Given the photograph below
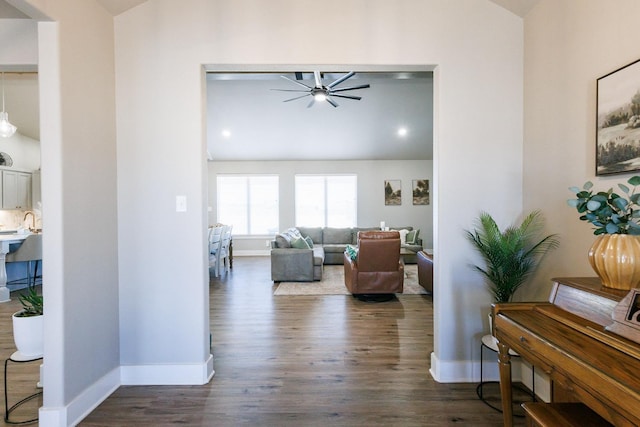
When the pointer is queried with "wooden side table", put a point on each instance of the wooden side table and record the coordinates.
(18, 357)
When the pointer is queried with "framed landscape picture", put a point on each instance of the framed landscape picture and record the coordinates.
(618, 121)
(392, 192)
(420, 190)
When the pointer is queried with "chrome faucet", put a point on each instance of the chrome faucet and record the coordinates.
(33, 220)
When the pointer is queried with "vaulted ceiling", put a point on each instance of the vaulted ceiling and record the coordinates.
(258, 125)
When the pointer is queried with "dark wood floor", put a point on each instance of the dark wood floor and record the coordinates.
(306, 361)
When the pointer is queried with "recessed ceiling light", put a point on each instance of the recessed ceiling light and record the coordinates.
(226, 133)
(402, 131)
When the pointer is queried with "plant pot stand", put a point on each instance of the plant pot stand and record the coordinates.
(18, 357)
(488, 341)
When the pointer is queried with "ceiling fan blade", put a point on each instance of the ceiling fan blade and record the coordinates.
(332, 102)
(296, 82)
(313, 101)
(318, 78)
(341, 79)
(297, 97)
(350, 88)
(347, 96)
(290, 90)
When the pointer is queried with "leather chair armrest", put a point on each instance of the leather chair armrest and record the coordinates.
(425, 270)
(350, 271)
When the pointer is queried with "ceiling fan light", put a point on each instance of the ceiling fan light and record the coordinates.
(6, 128)
(320, 97)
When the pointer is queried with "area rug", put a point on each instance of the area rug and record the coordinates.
(332, 283)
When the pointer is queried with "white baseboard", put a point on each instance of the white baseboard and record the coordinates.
(252, 252)
(87, 401)
(468, 371)
(187, 374)
(82, 405)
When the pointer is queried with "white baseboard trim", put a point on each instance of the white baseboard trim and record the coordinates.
(87, 401)
(82, 405)
(252, 252)
(468, 371)
(187, 374)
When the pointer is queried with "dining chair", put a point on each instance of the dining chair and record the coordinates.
(215, 242)
(223, 259)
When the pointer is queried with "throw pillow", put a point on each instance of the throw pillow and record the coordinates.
(352, 251)
(282, 242)
(299, 244)
(403, 236)
(412, 237)
(309, 242)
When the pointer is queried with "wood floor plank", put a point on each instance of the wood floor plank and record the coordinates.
(304, 361)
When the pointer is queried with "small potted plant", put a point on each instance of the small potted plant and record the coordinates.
(511, 256)
(615, 254)
(28, 324)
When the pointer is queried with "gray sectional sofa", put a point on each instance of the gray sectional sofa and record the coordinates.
(295, 264)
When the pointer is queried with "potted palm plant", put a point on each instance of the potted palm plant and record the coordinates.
(28, 324)
(511, 256)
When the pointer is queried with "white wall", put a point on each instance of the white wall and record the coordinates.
(371, 208)
(23, 48)
(161, 46)
(569, 44)
(77, 106)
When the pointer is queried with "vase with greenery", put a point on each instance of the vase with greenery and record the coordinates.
(510, 256)
(615, 254)
(28, 324)
(609, 212)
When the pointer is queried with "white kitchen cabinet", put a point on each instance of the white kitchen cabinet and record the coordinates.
(16, 190)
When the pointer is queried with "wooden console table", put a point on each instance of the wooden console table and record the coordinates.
(566, 339)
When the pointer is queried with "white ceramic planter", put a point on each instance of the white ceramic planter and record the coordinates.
(28, 335)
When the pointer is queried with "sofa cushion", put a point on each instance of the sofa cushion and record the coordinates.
(315, 233)
(332, 235)
(318, 256)
(335, 248)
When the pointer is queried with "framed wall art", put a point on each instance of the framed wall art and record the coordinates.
(420, 190)
(618, 121)
(393, 192)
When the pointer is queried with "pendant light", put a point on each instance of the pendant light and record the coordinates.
(6, 128)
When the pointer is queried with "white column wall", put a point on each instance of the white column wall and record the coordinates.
(160, 47)
(569, 44)
(77, 101)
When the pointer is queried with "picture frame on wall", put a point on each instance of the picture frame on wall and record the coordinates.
(618, 121)
(393, 192)
(420, 191)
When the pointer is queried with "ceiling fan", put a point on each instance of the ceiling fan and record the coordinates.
(320, 92)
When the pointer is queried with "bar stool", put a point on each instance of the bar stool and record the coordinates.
(29, 250)
(488, 341)
(18, 357)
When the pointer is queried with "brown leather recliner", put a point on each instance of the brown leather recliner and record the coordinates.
(425, 270)
(378, 268)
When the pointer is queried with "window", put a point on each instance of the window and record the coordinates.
(249, 203)
(326, 201)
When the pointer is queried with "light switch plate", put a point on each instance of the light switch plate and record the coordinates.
(181, 203)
